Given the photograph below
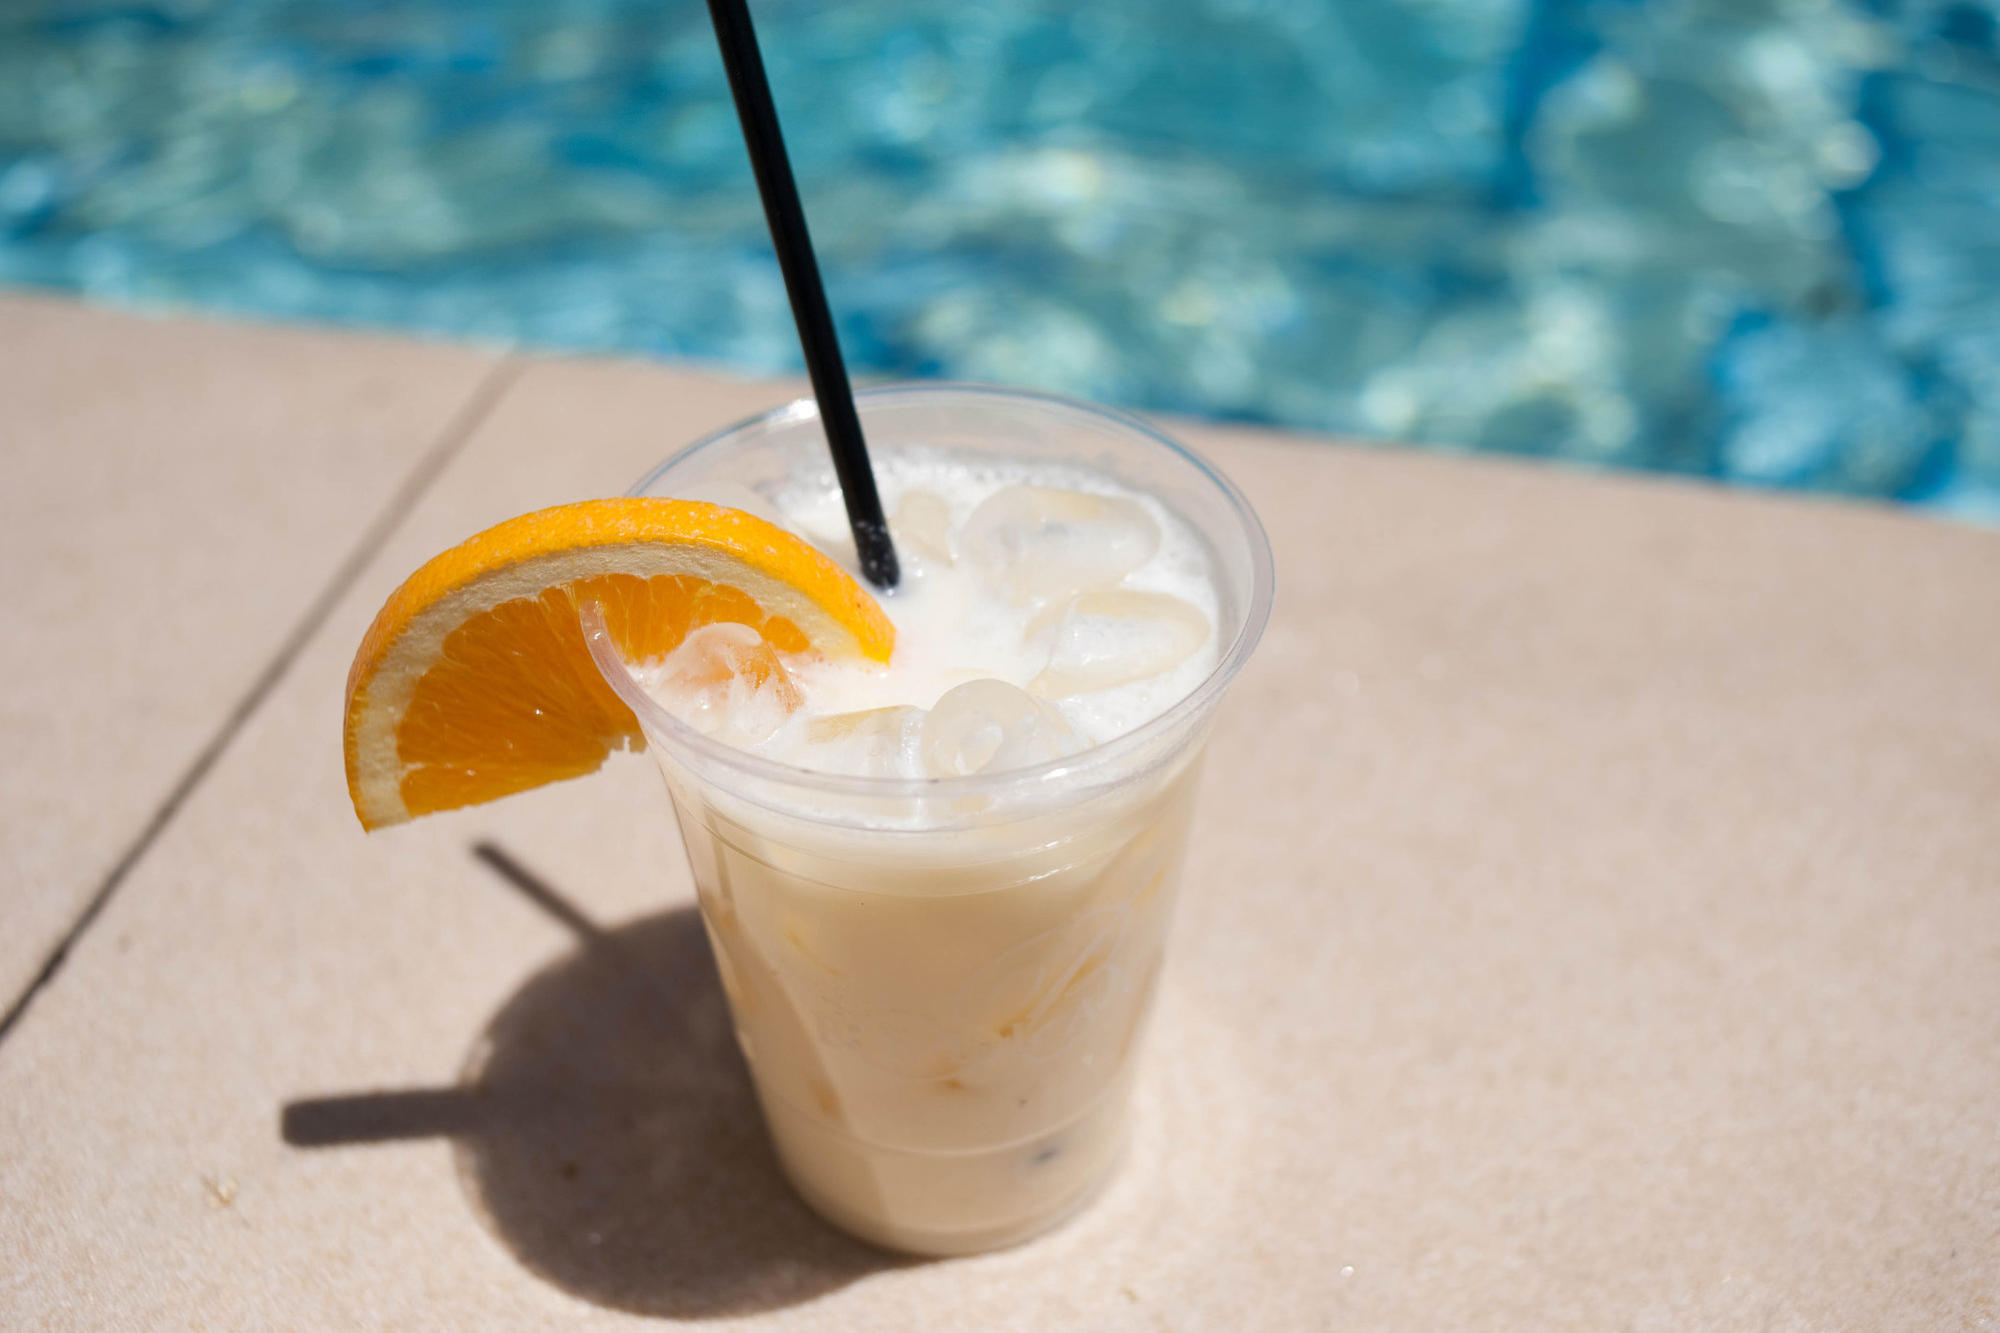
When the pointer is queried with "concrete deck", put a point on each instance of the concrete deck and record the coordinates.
(179, 493)
(1593, 921)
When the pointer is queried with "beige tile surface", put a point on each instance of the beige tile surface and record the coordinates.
(1594, 922)
(177, 494)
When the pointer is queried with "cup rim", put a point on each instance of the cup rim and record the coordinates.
(1088, 768)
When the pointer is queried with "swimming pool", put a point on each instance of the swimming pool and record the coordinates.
(1750, 239)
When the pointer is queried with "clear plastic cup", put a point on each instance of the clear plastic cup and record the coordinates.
(940, 985)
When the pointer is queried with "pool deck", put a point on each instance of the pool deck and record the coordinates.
(1593, 919)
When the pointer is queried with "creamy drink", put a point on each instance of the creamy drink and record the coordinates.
(939, 888)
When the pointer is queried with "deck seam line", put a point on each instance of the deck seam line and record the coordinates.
(465, 422)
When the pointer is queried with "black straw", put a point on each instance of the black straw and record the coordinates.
(802, 282)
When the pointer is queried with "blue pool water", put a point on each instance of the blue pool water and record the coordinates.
(1751, 239)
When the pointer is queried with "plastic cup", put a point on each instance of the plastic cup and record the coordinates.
(940, 986)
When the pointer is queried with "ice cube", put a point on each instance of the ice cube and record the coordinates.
(922, 524)
(877, 743)
(1042, 544)
(989, 726)
(725, 681)
(1112, 638)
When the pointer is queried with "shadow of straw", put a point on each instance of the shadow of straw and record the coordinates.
(607, 1133)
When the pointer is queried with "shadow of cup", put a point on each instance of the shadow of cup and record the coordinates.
(607, 1134)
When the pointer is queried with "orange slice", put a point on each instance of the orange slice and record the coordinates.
(474, 681)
